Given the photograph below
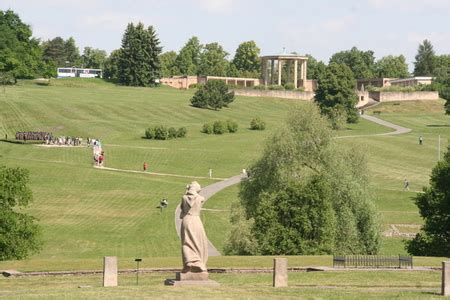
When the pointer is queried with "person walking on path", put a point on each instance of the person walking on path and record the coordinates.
(210, 172)
(406, 185)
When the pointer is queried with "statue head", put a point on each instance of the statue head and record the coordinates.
(194, 186)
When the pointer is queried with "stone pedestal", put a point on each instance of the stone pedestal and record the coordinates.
(280, 275)
(110, 271)
(190, 279)
(446, 278)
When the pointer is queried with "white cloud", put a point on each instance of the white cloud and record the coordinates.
(338, 24)
(217, 6)
(409, 5)
(110, 20)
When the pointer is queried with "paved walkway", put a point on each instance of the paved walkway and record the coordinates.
(207, 192)
(397, 129)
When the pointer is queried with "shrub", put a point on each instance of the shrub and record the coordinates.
(289, 86)
(214, 94)
(150, 133)
(232, 126)
(261, 87)
(219, 127)
(195, 85)
(207, 128)
(161, 132)
(172, 133)
(300, 89)
(257, 124)
(181, 133)
(275, 87)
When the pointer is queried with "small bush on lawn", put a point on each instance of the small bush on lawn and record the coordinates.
(207, 128)
(232, 126)
(172, 133)
(257, 124)
(181, 132)
(219, 127)
(276, 87)
(161, 132)
(150, 133)
(214, 94)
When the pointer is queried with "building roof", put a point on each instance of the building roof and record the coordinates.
(285, 56)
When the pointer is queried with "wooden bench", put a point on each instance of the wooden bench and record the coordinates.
(372, 261)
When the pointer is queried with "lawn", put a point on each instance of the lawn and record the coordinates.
(87, 213)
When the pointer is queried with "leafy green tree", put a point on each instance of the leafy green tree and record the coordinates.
(111, 66)
(246, 60)
(213, 60)
(93, 58)
(360, 62)
(62, 53)
(425, 60)
(315, 68)
(138, 63)
(188, 59)
(20, 54)
(19, 235)
(392, 66)
(214, 94)
(434, 207)
(306, 195)
(336, 93)
(168, 64)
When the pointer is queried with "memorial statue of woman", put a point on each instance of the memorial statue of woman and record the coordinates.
(194, 244)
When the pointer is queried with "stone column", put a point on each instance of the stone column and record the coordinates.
(265, 72)
(272, 71)
(305, 69)
(279, 71)
(446, 278)
(280, 275)
(110, 271)
(295, 73)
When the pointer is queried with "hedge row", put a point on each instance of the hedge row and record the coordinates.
(161, 132)
(220, 127)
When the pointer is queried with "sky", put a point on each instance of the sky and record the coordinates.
(317, 27)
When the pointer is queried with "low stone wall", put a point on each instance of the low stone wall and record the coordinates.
(307, 96)
(403, 96)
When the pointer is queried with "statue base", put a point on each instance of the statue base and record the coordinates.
(191, 279)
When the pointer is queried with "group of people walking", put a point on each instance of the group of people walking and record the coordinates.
(98, 153)
(33, 136)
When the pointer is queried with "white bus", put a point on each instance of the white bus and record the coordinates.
(79, 72)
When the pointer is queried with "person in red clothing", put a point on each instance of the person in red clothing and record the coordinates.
(145, 166)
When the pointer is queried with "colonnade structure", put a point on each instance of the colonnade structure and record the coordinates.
(272, 66)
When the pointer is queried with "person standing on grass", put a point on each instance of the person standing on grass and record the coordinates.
(145, 166)
(210, 172)
(420, 140)
(406, 185)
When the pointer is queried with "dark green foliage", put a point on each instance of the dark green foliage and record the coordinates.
(188, 60)
(434, 207)
(111, 66)
(207, 128)
(139, 63)
(150, 133)
(360, 62)
(168, 64)
(232, 126)
(392, 67)
(213, 61)
(214, 94)
(161, 132)
(306, 195)
(7, 78)
(172, 133)
(219, 127)
(181, 132)
(336, 92)
(93, 58)
(315, 68)
(257, 124)
(20, 54)
(275, 87)
(261, 87)
(19, 235)
(196, 85)
(63, 53)
(425, 63)
(246, 60)
(289, 86)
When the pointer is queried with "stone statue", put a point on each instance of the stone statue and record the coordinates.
(194, 244)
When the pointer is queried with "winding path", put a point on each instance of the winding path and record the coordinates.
(207, 192)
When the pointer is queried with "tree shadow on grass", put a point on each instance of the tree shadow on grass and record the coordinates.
(441, 125)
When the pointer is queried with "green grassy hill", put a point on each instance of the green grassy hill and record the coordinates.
(88, 213)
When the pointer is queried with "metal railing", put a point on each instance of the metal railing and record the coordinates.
(372, 261)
